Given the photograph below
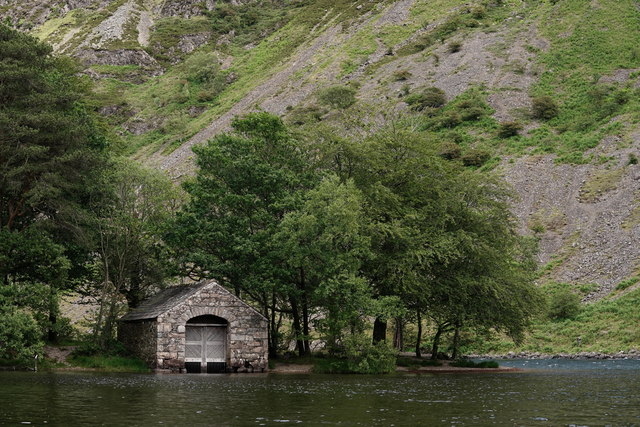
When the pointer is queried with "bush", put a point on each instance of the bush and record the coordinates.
(450, 120)
(544, 108)
(20, 337)
(509, 129)
(340, 97)
(475, 157)
(471, 109)
(564, 304)
(431, 97)
(633, 159)
(360, 357)
(450, 151)
(367, 358)
(454, 47)
(402, 75)
(304, 115)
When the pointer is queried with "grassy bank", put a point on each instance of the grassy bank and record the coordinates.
(606, 326)
(108, 363)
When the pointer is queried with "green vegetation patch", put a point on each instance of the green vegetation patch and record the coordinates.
(600, 183)
(109, 363)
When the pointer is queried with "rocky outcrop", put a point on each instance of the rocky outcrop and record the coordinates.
(191, 8)
(121, 57)
(187, 8)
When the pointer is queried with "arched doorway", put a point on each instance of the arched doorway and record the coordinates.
(206, 344)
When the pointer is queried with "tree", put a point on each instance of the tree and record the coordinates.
(443, 238)
(51, 152)
(324, 243)
(131, 257)
(246, 183)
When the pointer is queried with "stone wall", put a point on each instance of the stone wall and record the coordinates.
(247, 340)
(141, 338)
(161, 341)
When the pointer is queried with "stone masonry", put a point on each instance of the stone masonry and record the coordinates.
(156, 330)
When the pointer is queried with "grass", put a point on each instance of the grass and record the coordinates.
(600, 183)
(109, 363)
(608, 326)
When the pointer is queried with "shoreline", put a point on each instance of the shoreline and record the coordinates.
(583, 355)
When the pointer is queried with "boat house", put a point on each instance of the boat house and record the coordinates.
(197, 328)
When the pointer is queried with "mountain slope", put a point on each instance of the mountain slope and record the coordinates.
(172, 74)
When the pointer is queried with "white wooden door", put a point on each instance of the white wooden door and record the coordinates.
(205, 344)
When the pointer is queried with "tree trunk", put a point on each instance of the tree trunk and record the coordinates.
(297, 329)
(273, 328)
(456, 341)
(305, 313)
(419, 338)
(305, 327)
(436, 343)
(52, 335)
(398, 334)
(379, 330)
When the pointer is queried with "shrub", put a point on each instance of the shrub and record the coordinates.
(564, 304)
(475, 157)
(367, 358)
(449, 151)
(450, 120)
(471, 109)
(478, 12)
(303, 115)
(360, 357)
(509, 129)
(20, 337)
(544, 108)
(402, 75)
(454, 47)
(633, 159)
(431, 97)
(340, 97)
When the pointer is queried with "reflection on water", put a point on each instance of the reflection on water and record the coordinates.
(548, 393)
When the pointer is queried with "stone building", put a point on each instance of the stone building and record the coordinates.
(199, 328)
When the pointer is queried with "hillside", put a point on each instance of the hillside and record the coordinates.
(172, 73)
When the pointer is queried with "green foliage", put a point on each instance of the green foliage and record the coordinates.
(367, 358)
(475, 157)
(563, 304)
(52, 151)
(625, 284)
(248, 22)
(109, 363)
(360, 357)
(544, 107)
(340, 97)
(247, 182)
(402, 75)
(20, 336)
(454, 46)
(305, 115)
(431, 97)
(450, 151)
(203, 71)
(509, 129)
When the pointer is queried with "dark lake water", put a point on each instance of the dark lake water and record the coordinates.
(547, 393)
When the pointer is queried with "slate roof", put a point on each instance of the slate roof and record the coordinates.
(165, 300)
